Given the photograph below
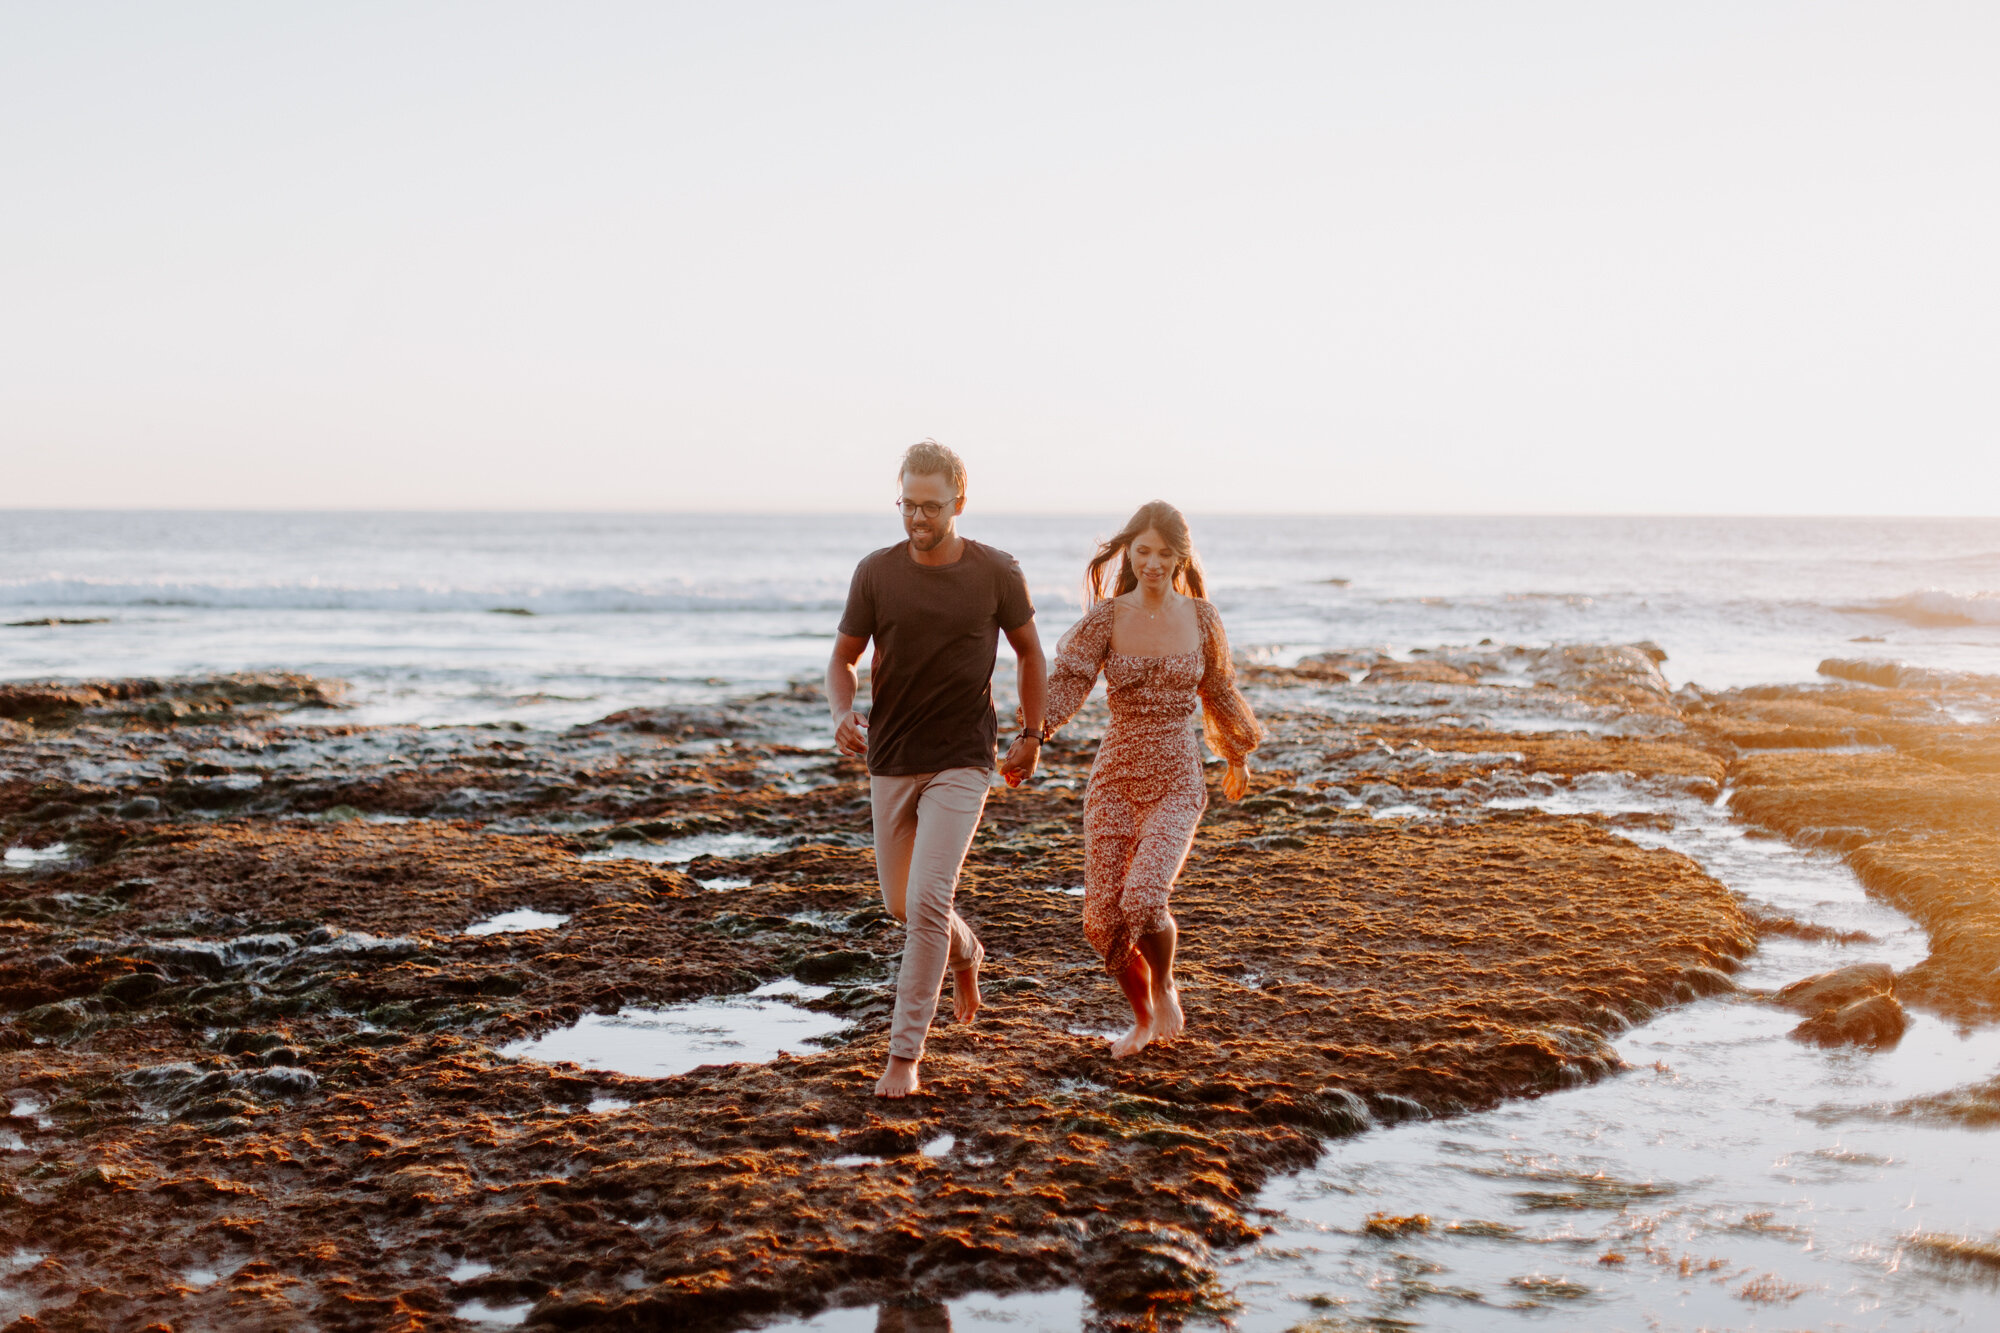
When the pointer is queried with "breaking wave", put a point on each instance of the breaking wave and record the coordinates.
(1935, 607)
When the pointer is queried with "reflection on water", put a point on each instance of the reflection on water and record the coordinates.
(660, 1042)
(494, 1316)
(1065, 1310)
(26, 858)
(677, 850)
(521, 918)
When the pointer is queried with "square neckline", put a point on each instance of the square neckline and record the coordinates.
(1151, 657)
(1201, 638)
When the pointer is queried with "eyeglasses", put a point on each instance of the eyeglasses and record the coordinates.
(929, 508)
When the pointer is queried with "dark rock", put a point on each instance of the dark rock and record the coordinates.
(1146, 1263)
(56, 1020)
(134, 987)
(1390, 1108)
(824, 967)
(1265, 804)
(284, 1081)
(236, 1043)
(139, 807)
(1337, 1113)
(187, 955)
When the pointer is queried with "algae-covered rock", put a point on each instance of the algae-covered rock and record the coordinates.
(1835, 989)
(1875, 1020)
(60, 1019)
(822, 968)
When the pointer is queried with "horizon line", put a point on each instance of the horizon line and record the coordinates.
(998, 512)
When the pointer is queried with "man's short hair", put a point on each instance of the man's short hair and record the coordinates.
(928, 458)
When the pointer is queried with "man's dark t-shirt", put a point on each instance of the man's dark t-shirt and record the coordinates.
(936, 630)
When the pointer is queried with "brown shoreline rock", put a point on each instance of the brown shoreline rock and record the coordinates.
(276, 1043)
(1842, 986)
(1916, 816)
(1873, 1020)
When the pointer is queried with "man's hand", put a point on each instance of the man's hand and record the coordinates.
(1236, 781)
(851, 735)
(1022, 756)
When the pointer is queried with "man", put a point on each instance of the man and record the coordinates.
(935, 606)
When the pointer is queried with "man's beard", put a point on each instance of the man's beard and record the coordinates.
(927, 541)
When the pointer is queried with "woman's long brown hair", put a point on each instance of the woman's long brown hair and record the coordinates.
(1162, 518)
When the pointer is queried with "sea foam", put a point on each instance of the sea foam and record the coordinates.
(1935, 607)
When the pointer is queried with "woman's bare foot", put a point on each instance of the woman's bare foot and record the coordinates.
(899, 1080)
(1136, 980)
(965, 987)
(1168, 1020)
(1132, 1042)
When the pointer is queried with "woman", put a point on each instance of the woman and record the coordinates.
(1161, 648)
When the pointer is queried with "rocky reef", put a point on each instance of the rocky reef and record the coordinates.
(1898, 771)
(254, 1059)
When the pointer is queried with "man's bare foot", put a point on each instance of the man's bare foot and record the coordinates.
(1168, 1020)
(899, 1080)
(1132, 1042)
(965, 987)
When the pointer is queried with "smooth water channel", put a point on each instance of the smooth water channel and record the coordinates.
(1732, 1178)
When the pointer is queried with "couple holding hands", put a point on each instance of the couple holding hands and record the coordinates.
(935, 607)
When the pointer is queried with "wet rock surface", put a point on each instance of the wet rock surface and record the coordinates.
(246, 1034)
(1900, 775)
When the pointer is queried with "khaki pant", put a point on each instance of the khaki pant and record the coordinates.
(924, 824)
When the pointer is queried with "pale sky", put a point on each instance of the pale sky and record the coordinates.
(1408, 257)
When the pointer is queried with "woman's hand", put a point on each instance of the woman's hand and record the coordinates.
(1236, 782)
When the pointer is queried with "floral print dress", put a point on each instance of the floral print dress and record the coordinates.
(1146, 792)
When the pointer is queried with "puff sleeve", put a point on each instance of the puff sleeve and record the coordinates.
(1228, 724)
(1079, 657)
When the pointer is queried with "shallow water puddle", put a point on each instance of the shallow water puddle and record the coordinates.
(27, 858)
(1064, 1310)
(724, 883)
(32, 1108)
(660, 1042)
(521, 918)
(677, 850)
(479, 1312)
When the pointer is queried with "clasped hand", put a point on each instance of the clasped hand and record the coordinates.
(850, 735)
(1020, 761)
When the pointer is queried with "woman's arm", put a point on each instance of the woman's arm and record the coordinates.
(1079, 657)
(1226, 720)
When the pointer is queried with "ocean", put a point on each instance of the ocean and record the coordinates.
(554, 619)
